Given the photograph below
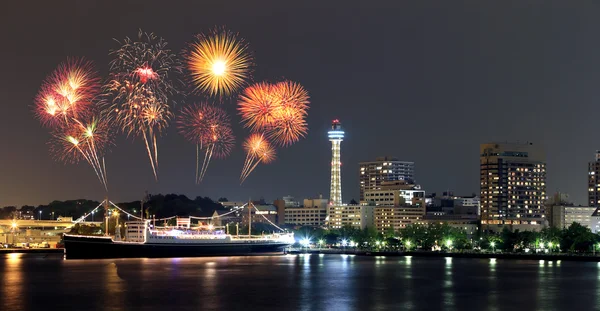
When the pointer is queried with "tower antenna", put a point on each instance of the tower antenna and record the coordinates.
(336, 136)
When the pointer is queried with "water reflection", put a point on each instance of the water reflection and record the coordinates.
(13, 297)
(329, 282)
(114, 287)
(449, 303)
(493, 286)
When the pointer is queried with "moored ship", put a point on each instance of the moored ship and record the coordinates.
(144, 240)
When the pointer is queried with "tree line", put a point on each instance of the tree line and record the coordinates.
(158, 205)
(574, 239)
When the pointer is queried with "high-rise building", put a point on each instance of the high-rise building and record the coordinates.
(372, 174)
(594, 181)
(513, 186)
(336, 136)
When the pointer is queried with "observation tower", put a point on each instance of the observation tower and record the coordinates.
(336, 135)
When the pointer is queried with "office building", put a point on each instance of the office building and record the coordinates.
(397, 217)
(313, 213)
(395, 193)
(593, 182)
(355, 216)
(336, 136)
(260, 214)
(563, 216)
(306, 216)
(512, 186)
(373, 173)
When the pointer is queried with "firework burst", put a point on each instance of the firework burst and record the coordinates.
(279, 110)
(67, 93)
(209, 128)
(141, 86)
(219, 63)
(67, 98)
(258, 150)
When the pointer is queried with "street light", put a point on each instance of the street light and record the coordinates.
(321, 242)
(449, 244)
(407, 244)
(14, 229)
(493, 244)
(305, 242)
(92, 216)
(40, 218)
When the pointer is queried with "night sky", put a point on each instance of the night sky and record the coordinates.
(425, 81)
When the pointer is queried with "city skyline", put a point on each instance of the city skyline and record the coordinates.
(436, 73)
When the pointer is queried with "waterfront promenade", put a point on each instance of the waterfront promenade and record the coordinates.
(497, 255)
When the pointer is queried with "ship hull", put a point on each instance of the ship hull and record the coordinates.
(80, 247)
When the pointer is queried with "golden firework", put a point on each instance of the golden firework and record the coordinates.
(219, 63)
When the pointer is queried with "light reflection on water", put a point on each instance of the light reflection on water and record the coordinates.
(297, 282)
(13, 283)
(448, 285)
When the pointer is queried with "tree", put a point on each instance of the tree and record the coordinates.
(8, 212)
(222, 199)
(578, 238)
(353, 202)
(509, 239)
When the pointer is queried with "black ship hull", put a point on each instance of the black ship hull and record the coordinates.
(80, 247)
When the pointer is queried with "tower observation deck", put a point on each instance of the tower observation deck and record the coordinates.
(336, 135)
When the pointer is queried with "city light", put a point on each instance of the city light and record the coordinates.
(449, 243)
(14, 224)
(344, 242)
(210, 227)
(305, 242)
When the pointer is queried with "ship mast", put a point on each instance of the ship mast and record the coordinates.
(249, 218)
(106, 216)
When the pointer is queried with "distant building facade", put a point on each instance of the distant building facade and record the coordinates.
(355, 216)
(463, 222)
(395, 193)
(373, 173)
(512, 186)
(563, 216)
(397, 217)
(306, 216)
(594, 181)
(261, 214)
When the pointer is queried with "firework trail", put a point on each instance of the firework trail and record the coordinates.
(219, 63)
(279, 110)
(83, 141)
(258, 150)
(140, 86)
(68, 103)
(209, 128)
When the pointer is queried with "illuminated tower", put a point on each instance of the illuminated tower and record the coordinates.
(336, 135)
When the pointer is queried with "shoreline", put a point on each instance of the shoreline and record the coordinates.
(32, 250)
(509, 256)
